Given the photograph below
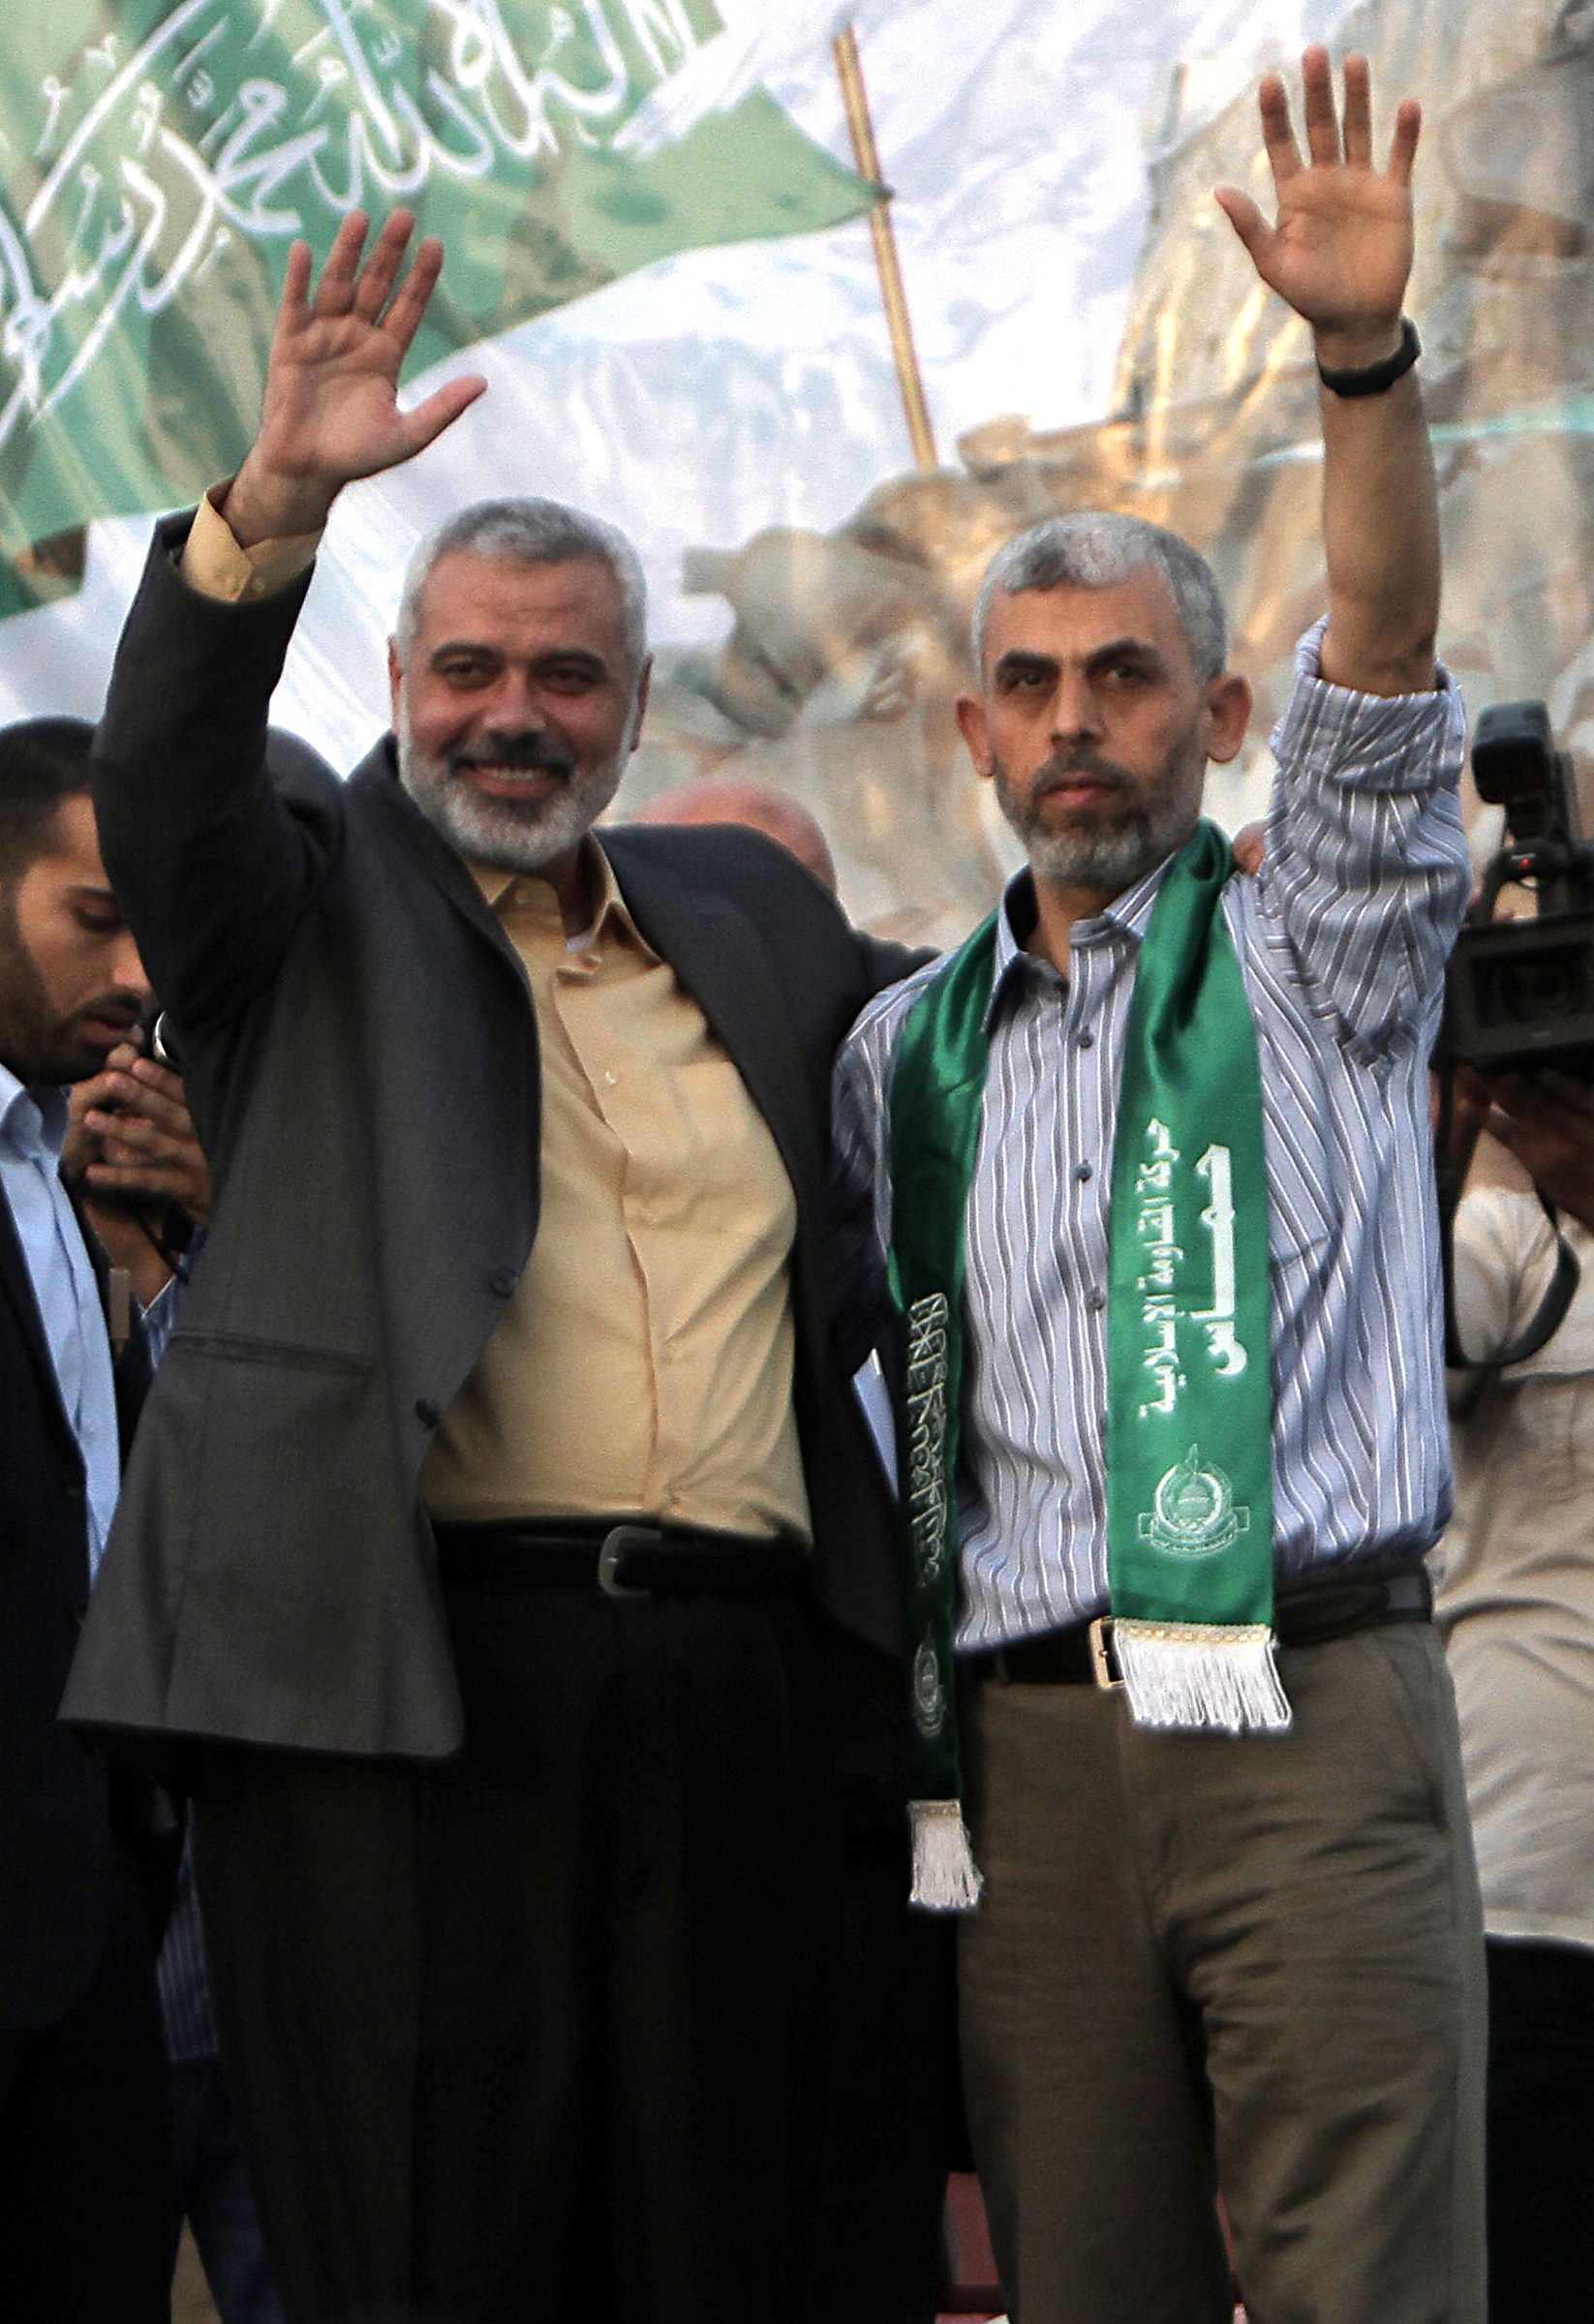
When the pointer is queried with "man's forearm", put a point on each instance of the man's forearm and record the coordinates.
(1380, 539)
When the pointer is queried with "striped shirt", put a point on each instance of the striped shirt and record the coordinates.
(1342, 940)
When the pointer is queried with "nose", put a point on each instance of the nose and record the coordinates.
(128, 972)
(513, 705)
(1076, 714)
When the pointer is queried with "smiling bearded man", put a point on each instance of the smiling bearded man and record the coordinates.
(473, 1540)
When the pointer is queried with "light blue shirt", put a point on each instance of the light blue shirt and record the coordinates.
(32, 1126)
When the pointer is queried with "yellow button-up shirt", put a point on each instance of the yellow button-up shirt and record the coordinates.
(644, 1363)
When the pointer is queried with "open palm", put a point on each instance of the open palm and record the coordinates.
(331, 411)
(1340, 251)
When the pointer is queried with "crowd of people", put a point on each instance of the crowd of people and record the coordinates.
(621, 1809)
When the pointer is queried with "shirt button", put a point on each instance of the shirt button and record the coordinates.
(426, 1412)
(611, 1079)
(1098, 1301)
(1088, 1039)
(1084, 1173)
(502, 1281)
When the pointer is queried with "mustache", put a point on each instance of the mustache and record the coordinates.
(112, 1009)
(1064, 765)
(531, 752)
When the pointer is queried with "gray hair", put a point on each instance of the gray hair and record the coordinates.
(529, 532)
(1092, 549)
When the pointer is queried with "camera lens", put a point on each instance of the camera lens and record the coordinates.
(1537, 987)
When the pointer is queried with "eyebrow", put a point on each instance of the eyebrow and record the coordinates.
(478, 646)
(1017, 663)
(1022, 661)
(1124, 648)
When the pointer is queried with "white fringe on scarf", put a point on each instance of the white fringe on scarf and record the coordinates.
(1193, 1675)
(945, 1876)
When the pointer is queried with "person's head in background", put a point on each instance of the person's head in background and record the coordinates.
(759, 805)
(72, 985)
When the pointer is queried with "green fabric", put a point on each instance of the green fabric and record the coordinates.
(938, 1091)
(1190, 1418)
(157, 159)
(1189, 1414)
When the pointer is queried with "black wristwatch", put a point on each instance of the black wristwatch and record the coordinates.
(1375, 378)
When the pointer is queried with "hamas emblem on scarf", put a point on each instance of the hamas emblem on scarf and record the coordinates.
(1193, 1512)
(929, 1694)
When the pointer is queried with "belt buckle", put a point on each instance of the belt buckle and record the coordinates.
(1101, 1668)
(616, 1541)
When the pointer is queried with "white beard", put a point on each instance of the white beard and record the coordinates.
(510, 834)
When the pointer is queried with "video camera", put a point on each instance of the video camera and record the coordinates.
(1520, 994)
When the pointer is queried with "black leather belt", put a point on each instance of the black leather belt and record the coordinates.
(624, 1560)
(1306, 1613)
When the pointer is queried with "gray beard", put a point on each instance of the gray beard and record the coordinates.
(1108, 860)
(501, 831)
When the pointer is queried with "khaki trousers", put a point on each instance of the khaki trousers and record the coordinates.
(1252, 1965)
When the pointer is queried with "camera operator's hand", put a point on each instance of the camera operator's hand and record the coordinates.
(331, 411)
(1547, 1120)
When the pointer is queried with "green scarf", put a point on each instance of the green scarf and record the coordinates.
(1189, 1436)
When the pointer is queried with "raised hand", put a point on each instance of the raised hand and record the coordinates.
(331, 411)
(1340, 251)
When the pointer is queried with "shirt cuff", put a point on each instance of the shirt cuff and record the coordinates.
(1370, 742)
(214, 565)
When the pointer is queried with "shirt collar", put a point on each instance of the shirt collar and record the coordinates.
(33, 1121)
(504, 891)
(1127, 916)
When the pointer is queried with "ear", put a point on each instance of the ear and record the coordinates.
(1225, 715)
(975, 728)
(395, 681)
(639, 708)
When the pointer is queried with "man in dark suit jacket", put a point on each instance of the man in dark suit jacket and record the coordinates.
(82, 2123)
(479, 1514)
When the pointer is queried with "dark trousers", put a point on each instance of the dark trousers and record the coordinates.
(83, 2142)
(539, 2031)
(211, 2189)
(1540, 2132)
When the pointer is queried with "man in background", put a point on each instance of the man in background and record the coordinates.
(82, 2094)
(1514, 1602)
(757, 807)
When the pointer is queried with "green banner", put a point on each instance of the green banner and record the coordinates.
(156, 163)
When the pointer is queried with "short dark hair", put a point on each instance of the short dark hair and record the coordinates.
(42, 762)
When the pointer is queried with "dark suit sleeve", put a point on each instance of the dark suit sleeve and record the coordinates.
(882, 964)
(214, 859)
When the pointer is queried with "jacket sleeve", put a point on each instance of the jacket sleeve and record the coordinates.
(214, 832)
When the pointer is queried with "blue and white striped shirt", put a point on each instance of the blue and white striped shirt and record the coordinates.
(1342, 941)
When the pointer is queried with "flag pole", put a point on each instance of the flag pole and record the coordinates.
(867, 158)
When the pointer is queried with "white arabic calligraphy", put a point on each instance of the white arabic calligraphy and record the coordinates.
(134, 208)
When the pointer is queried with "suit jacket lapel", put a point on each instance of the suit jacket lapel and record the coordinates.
(442, 864)
(16, 1287)
(718, 956)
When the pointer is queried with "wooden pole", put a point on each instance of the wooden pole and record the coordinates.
(867, 158)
